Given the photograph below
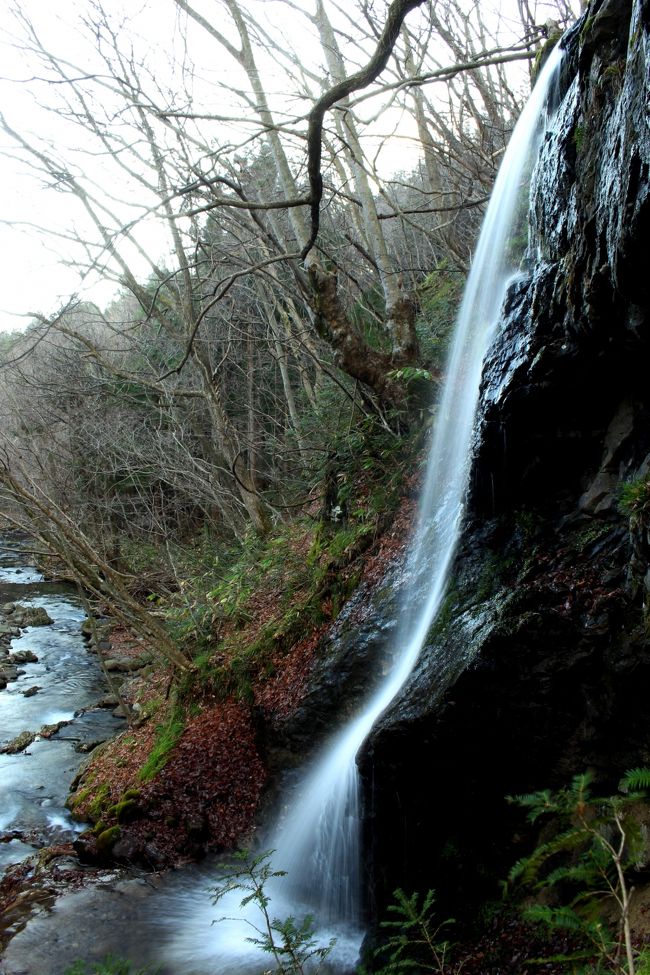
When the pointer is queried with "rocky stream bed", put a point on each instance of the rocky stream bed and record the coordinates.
(54, 709)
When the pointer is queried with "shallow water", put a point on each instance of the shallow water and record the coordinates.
(34, 783)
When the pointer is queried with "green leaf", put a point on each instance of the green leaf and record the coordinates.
(636, 780)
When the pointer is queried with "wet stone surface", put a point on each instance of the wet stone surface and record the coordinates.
(48, 678)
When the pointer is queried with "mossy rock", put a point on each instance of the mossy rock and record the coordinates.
(543, 54)
(31, 616)
(108, 837)
(97, 806)
(19, 743)
(123, 810)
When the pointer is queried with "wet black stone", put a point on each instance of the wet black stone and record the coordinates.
(541, 667)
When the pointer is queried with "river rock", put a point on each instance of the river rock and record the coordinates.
(87, 849)
(6, 629)
(124, 665)
(93, 628)
(127, 849)
(23, 657)
(31, 691)
(47, 730)
(24, 616)
(85, 747)
(19, 743)
(108, 701)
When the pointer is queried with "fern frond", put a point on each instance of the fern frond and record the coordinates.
(537, 803)
(574, 873)
(636, 780)
(579, 792)
(527, 868)
(557, 918)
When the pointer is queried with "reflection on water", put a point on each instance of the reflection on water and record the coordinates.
(34, 783)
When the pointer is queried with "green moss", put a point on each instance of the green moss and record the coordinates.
(448, 609)
(634, 499)
(586, 29)
(543, 53)
(98, 803)
(74, 801)
(591, 534)
(110, 965)
(123, 809)
(167, 738)
(108, 837)
(490, 576)
(579, 134)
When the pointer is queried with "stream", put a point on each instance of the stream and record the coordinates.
(65, 680)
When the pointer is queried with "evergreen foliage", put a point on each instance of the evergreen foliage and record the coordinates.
(414, 942)
(584, 867)
(291, 942)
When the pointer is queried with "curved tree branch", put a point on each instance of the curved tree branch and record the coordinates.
(361, 79)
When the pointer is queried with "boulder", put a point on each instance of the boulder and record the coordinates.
(7, 629)
(30, 616)
(108, 701)
(124, 665)
(19, 743)
(23, 657)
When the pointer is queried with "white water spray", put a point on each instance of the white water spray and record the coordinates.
(317, 839)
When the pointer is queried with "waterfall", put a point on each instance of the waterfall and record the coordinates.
(316, 840)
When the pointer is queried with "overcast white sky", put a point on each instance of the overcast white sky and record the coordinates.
(32, 278)
(33, 275)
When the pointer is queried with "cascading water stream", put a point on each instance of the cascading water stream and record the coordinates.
(316, 841)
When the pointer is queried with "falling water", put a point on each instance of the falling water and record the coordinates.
(316, 841)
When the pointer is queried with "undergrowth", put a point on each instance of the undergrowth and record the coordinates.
(580, 873)
(240, 607)
(110, 965)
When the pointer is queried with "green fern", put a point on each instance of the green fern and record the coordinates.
(584, 864)
(537, 803)
(527, 870)
(636, 780)
(559, 918)
(414, 943)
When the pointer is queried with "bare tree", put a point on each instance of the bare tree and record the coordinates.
(287, 259)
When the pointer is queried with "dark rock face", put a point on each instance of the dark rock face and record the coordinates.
(538, 665)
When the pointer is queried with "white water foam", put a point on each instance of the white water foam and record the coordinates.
(316, 840)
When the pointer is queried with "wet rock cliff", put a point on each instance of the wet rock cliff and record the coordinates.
(539, 664)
